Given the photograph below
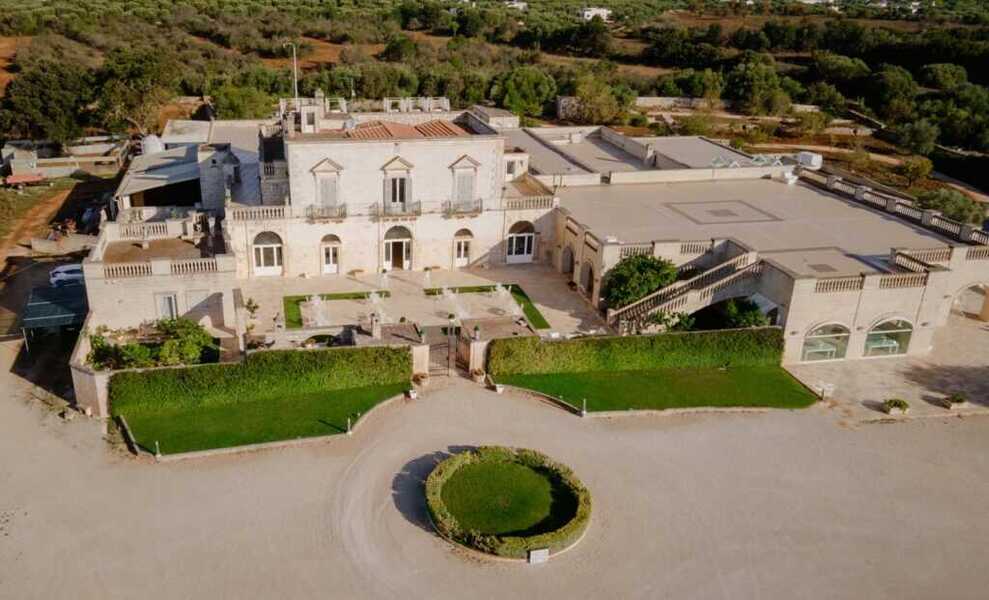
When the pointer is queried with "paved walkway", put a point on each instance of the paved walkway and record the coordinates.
(958, 362)
(728, 506)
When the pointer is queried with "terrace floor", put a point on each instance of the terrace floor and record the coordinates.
(957, 362)
(125, 252)
(565, 310)
(768, 216)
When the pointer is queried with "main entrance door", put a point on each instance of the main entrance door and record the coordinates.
(521, 243)
(398, 254)
(398, 249)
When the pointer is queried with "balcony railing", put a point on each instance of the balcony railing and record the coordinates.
(277, 170)
(399, 209)
(257, 213)
(337, 211)
(471, 207)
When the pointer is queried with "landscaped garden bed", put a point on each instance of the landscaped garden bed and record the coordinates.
(507, 502)
(293, 310)
(271, 396)
(734, 368)
(532, 313)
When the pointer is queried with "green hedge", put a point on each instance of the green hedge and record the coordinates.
(508, 546)
(740, 348)
(274, 375)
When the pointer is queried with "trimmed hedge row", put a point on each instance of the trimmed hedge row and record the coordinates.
(508, 546)
(739, 348)
(272, 374)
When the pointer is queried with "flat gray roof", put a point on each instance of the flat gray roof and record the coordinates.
(150, 171)
(695, 152)
(543, 160)
(770, 217)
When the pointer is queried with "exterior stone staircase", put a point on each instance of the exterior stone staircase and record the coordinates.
(737, 276)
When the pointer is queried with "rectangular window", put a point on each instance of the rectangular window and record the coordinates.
(168, 307)
(464, 186)
(328, 190)
(397, 190)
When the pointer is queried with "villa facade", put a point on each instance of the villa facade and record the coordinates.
(325, 196)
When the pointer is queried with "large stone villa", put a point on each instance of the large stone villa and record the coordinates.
(413, 195)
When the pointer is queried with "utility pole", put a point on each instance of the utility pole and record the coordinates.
(295, 73)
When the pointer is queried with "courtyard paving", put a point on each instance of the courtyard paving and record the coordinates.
(731, 506)
(959, 361)
(565, 310)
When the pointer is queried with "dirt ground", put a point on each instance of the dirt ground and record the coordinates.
(770, 505)
(323, 53)
(8, 48)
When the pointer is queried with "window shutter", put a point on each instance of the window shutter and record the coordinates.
(328, 190)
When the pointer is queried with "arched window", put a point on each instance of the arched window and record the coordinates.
(889, 338)
(461, 247)
(267, 254)
(330, 253)
(827, 342)
(521, 243)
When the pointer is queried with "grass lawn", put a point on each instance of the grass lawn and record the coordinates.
(531, 312)
(660, 389)
(293, 313)
(254, 421)
(506, 498)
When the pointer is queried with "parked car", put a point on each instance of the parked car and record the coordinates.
(66, 275)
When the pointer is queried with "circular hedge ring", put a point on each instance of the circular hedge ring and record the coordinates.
(507, 501)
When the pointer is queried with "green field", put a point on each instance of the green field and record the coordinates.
(187, 429)
(506, 498)
(660, 389)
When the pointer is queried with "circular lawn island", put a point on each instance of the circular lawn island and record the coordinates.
(507, 501)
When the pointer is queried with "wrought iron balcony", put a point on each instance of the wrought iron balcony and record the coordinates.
(399, 209)
(337, 211)
(471, 207)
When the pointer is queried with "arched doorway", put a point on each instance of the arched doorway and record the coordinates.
(330, 254)
(566, 261)
(521, 243)
(587, 279)
(972, 302)
(267, 254)
(826, 342)
(398, 249)
(461, 247)
(889, 338)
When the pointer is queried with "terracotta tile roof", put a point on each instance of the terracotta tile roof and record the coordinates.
(387, 130)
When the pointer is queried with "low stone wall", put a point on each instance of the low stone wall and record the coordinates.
(684, 175)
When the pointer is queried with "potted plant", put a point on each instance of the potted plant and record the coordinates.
(896, 406)
(955, 400)
(421, 379)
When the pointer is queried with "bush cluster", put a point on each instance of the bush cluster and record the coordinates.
(530, 355)
(271, 375)
(506, 545)
(177, 342)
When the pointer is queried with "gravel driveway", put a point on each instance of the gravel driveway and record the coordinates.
(771, 505)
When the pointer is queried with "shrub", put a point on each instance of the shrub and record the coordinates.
(507, 545)
(635, 277)
(270, 374)
(180, 341)
(530, 355)
(957, 398)
(953, 204)
(895, 404)
(915, 168)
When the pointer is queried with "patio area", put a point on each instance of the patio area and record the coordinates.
(402, 294)
(956, 363)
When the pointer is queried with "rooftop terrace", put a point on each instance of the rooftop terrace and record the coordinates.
(811, 231)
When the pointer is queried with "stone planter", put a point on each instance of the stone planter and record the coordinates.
(897, 411)
(498, 388)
